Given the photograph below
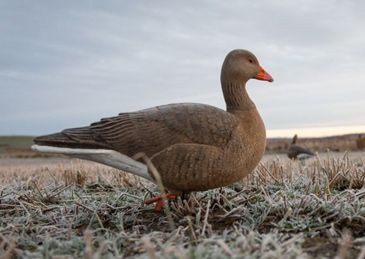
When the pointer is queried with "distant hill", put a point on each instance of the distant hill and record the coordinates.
(15, 142)
(17, 146)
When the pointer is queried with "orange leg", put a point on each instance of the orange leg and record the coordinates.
(159, 200)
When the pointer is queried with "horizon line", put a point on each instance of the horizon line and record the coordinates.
(315, 132)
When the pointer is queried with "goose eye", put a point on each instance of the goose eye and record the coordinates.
(251, 61)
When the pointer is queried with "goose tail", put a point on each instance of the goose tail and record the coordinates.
(81, 143)
(104, 156)
(70, 138)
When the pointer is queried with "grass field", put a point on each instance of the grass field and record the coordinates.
(14, 142)
(58, 208)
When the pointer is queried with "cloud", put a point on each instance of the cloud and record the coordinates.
(68, 64)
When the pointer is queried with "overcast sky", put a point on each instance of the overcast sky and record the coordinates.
(68, 63)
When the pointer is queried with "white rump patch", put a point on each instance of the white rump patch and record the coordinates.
(104, 156)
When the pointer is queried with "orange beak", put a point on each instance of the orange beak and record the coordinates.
(263, 75)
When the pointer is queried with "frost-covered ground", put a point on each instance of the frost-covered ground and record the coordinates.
(59, 208)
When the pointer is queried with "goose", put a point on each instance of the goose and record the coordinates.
(298, 152)
(194, 147)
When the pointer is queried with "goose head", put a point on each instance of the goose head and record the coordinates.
(240, 66)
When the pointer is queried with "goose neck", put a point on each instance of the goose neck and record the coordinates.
(236, 97)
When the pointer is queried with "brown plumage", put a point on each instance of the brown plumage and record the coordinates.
(195, 147)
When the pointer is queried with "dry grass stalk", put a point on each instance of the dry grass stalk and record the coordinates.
(149, 247)
(88, 251)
